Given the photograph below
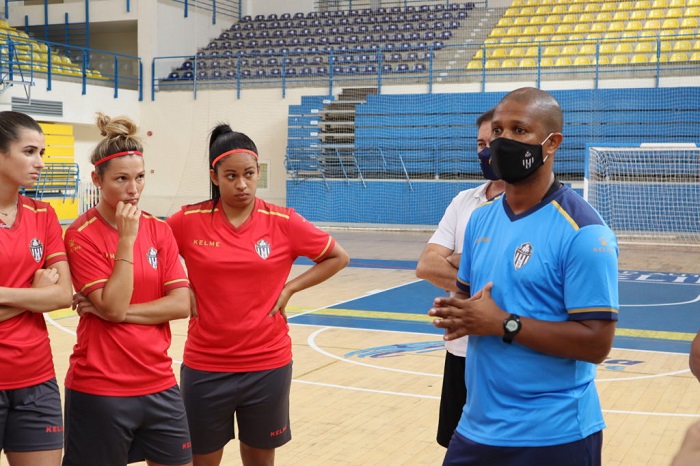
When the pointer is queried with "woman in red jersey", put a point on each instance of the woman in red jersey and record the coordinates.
(239, 251)
(34, 278)
(122, 401)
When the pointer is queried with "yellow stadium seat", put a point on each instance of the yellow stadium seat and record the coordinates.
(474, 64)
(519, 3)
(666, 46)
(594, 36)
(527, 11)
(570, 18)
(630, 34)
(569, 50)
(676, 3)
(649, 34)
(696, 45)
(619, 60)
(507, 40)
(551, 51)
(616, 26)
(682, 46)
(543, 10)
(559, 9)
(537, 20)
(581, 28)
(638, 15)
(692, 12)
(479, 54)
(497, 53)
(642, 5)
(575, 37)
(527, 63)
(624, 47)
(564, 29)
(531, 31)
(510, 63)
(639, 59)
(662, 58)
(693, 3)
(516, 52)
(547, 29)
(592, 8)
(604, 17)
(504, 22)
(686, 32)
(497, 32)
(491, 40)
(575, 8)
(587, 49)
(660, 4)
(582, 61)
(621, 16)
(541, 39)
(598, 27)
(563, 61)
(670, 23)
(626, 6)
(514, 31)
(695, 56)
(586, 18)
(611, 35)
(521, 21)
(512, 12)
(553, 19)
(603, 61)
(547, 62)
(689, 23)
(532, 52)
(652, 24)
(608, 6)
(674, 13)
(645, 47)
(679, 56)
(634, 26)
(493, 63)
(524, 39)
(607, 48)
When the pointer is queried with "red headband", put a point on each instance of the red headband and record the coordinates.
(118, 154)
(233, 151)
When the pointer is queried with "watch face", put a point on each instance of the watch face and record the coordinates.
(511, 325)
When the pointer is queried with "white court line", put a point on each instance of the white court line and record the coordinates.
(697, 298)
(369, 390)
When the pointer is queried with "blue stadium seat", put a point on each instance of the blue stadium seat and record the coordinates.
(402, 67)
(174, 75)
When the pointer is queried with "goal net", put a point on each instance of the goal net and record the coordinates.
(648, 193)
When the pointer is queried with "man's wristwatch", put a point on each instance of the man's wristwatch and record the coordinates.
(511, 327)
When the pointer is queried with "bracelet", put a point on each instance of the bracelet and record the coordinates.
(125, 260)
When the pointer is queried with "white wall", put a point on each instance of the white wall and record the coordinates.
(265, 7)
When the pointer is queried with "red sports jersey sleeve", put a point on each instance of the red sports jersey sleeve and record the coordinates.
(32, 243)
(237, 275)
(121, 359)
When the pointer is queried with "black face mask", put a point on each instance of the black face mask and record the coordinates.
(514, 160)
(485, 164)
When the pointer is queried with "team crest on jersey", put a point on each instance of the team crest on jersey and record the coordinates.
(522, 255)
(153, 258)
(262, 247)
(37, 249)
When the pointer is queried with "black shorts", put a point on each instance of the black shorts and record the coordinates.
(259, 400)
(31, 419)
(114, 431)
(584, 452)
(452, 398)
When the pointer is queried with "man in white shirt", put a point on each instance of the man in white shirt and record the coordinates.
(439, 263)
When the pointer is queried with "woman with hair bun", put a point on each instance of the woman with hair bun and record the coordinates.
(239, 251)
(122, 401)
(34, 278)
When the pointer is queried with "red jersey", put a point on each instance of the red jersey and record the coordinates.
(122, 359)
(237, 275)
(33, 242)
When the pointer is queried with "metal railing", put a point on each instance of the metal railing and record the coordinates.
(380, 67)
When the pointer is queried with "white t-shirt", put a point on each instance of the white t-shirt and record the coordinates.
(450, 234)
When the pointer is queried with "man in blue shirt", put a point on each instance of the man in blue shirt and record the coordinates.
(538, 298)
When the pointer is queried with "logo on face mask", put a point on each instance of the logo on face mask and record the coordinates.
(513, 160)
(485, 164)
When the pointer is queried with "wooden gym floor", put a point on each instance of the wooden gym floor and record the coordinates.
(368, 362)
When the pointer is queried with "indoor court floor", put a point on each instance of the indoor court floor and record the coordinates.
(368, 361)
